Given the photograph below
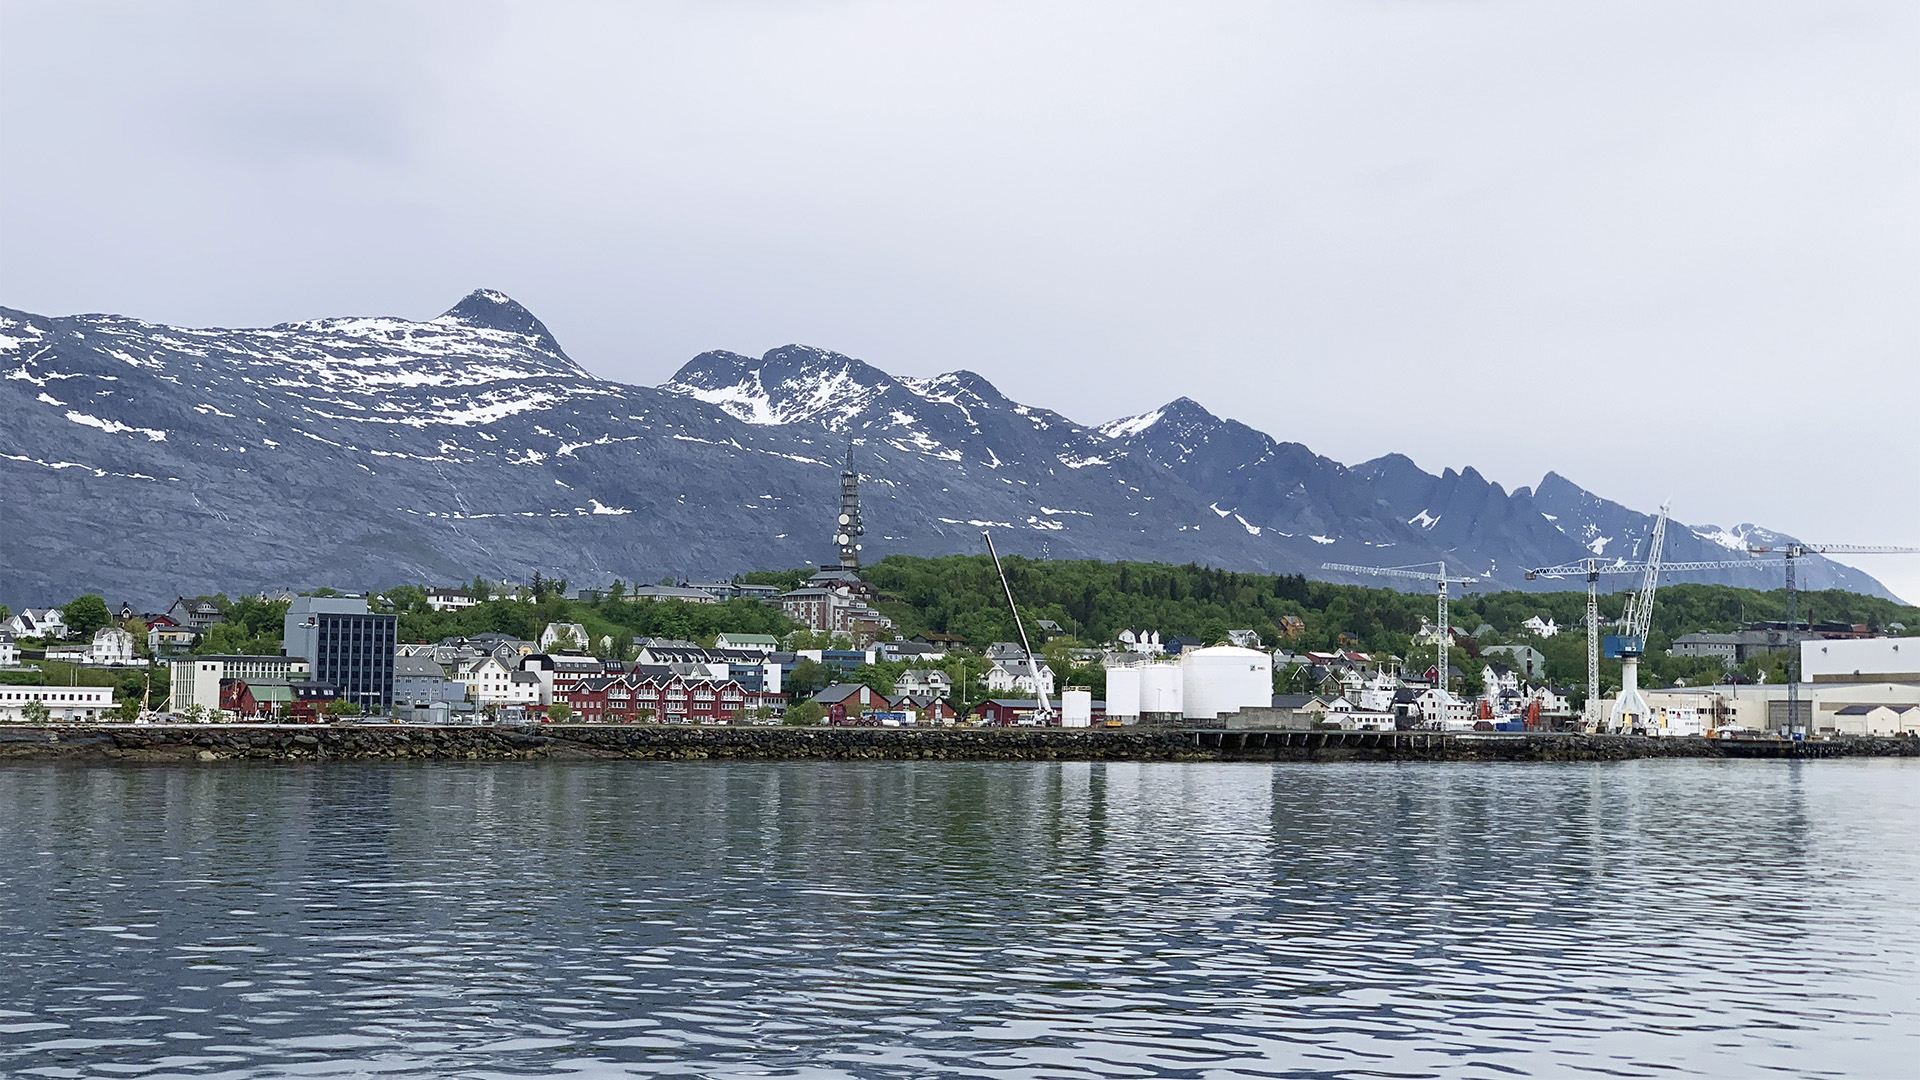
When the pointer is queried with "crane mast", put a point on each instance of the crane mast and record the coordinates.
(1444, 629)
(1044, 713)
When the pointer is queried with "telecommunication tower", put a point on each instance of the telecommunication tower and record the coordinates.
(849, 530)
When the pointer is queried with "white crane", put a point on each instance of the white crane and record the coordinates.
(1441, 628)
(1638, 618)
(1044, 714)
(1790, 552)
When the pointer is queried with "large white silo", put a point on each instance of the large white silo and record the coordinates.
(1160, 690)
(1076, 707)
(1123, 692)
(1225, 679)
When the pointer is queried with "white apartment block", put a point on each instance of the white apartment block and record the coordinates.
(64, 703)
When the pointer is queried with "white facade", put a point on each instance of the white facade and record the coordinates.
(924, 681)
(565, 635)
(111, 646)
(64, 703)
(1540, 627)
(1224, 679)
(9, 652)
(449, 600)
(490, 682)
(760, 643)
(1076, 707)
(1139, 687)
(45, 623)
(1019, 676)
(1140, 641)
(1861, 660)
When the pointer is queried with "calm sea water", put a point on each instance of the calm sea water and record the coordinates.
(1655, 918)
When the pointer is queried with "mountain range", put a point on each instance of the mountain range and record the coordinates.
(143, 461)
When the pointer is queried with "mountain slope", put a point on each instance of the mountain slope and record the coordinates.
(146, 460)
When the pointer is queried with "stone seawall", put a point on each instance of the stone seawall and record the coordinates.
(387, 742)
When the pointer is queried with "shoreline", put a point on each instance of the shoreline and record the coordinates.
(608, 742)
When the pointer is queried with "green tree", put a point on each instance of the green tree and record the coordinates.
(804, 714)
(642, 714)
(343, 707)
(35, 712)
(127, 711)
(559, 712)
(807, 678)
(84, 615)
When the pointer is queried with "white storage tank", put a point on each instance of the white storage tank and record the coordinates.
(1123, 692)
(1160, 689)
(1076, 707)
(1225, 679)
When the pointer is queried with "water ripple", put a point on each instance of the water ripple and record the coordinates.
(910, 919)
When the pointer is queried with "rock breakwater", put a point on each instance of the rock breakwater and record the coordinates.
(392, 742)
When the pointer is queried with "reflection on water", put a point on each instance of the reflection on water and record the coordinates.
(900, 919)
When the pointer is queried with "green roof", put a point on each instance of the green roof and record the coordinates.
(271, 692)
(753, 639)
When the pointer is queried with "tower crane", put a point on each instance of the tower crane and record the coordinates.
(1790, 552)
(1638, 618)
(1442, 628)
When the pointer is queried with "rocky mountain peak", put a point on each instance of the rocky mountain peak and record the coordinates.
(489, 309)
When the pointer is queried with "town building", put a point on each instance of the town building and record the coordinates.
(1138, 641)
(1540, 627)
(1526, 662)
(927, 682)
(194, 614)
(110, 647)
(346, 644)
(450, 599)
(491, 683)
(9, 651)
(419, 682)
(64, 703)
(559, 673)
(1020, 675)
(565, 637)
(637, 697)
(47, 624)
(195, 680)
(760, 643)
(672, 592)
(167, 638)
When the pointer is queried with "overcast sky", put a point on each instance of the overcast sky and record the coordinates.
(1663, 248)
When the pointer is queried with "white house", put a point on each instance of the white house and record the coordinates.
(44, 623)
(490, 682)
(1540, 627)
(565, 635)
(1880, 719)
(1440, 709)
(924, 681)
(111, 646)
(760, 643)
(449, 600)
(9, 652)
(1140, 641)
(1246, 639)
(1500, 681)
(1019, 675)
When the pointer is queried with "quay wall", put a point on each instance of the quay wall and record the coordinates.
(583, 742)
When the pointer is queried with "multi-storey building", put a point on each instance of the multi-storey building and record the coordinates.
(196, 679)
(347, 645)
(665, 699)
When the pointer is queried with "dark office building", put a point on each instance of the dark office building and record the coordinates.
(348, 646)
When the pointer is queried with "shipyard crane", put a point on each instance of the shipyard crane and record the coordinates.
(1791, 551)
(1638, 618)
(1044, 713)
(1442, 628)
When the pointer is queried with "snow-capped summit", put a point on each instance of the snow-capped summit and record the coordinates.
(789, 385)
(151, 461)
(489, 309)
